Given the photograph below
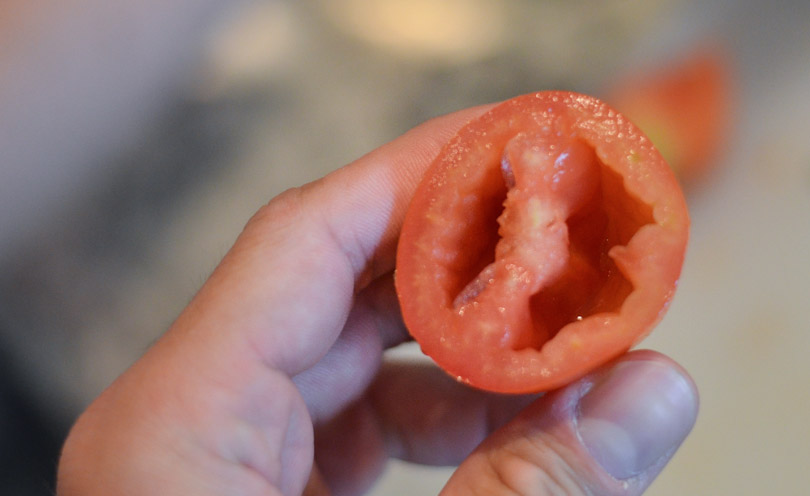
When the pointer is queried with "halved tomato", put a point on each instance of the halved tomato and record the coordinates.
(546, 238)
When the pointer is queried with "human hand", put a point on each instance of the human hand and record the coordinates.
(277, 362)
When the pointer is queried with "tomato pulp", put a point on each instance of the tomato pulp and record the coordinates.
(545, 239)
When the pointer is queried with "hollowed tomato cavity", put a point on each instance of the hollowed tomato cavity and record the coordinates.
(478, 234)
(588, 282)
(591, 282)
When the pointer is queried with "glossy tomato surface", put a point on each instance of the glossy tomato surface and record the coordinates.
(545, 239)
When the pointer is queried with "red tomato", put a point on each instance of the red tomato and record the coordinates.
(545, 239)
(684, 107)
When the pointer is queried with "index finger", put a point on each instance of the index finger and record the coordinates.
(287, 285)
(368, 198)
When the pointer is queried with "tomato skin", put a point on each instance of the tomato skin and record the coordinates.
(588, 228)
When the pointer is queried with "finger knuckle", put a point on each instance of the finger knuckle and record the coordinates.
(525, 470)
(284, 209)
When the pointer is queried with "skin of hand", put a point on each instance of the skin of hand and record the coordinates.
(271, 381)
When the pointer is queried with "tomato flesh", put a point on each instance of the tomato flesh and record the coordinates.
(545, 239)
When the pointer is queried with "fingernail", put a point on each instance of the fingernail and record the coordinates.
(637, 416)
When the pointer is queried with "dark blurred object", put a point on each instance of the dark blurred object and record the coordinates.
(29, 442)
(59, 288)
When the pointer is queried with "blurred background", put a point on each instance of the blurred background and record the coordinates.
(137, 137)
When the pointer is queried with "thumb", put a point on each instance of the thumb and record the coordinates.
(610, 433)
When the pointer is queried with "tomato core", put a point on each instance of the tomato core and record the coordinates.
(604, 215)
